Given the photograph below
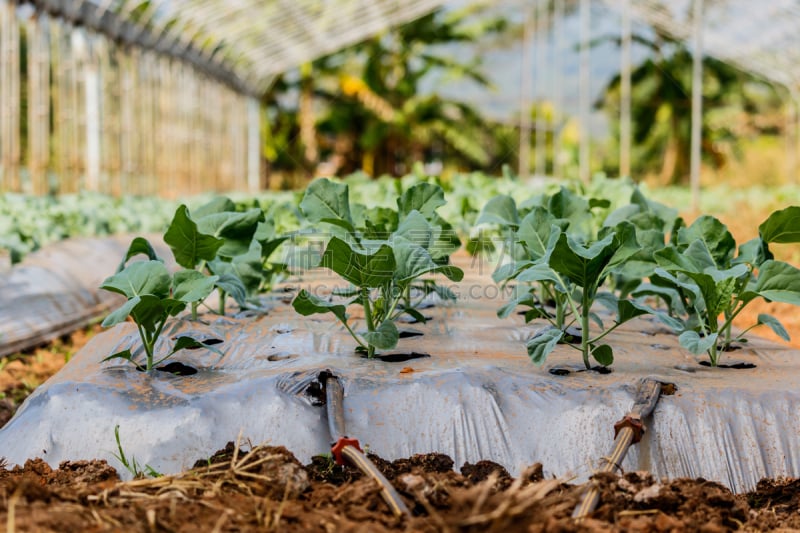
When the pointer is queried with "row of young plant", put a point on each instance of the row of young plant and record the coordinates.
(641, 258)
(568, 254)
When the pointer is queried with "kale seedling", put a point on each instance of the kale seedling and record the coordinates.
(153, 296)
(219, 240)
(706, 286)
(380, 272)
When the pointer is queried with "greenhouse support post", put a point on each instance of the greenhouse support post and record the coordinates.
(558, 82)
(525, 99)
(253, 143)
(625, 92)
(584, 103)
(541, 125)
(697, 101)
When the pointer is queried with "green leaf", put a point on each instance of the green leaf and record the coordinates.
(782, 226)
(629, 309)
(523, 298)
(540, 272)
(141, 277)
(152, 310)
(188, 244)
(120, 314)
(500, 210)
(718, 240)
(124, 354)
(443, 292)
(602, 203)
(754, 252)
(139, 245)
(415, 228)
(692, 341)
(192, 286)
(567, 205)
(183, 342)
(248, 268)
(624, 246)
(360, 269)
(423, 197)
(539, 233)
(219, 204)
(508, 271)
(326, 201)
(775, 325)
(307, 304)
(413, 261)
(603, 354)
(384, 337)
(779, 282)
(582, 265)
(233, 287)
(540, 346)
(345, 292)
(416, 315)
(236, 229)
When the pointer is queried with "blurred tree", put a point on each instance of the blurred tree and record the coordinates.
(363, 107)
(735, 104)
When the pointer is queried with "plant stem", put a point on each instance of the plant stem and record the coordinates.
(148, 348)
(194, 310)
(606, 332)
(585, 303)
(222, 296)
(368, 318)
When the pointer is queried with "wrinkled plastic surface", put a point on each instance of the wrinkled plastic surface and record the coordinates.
(477, 397)
(55, 290)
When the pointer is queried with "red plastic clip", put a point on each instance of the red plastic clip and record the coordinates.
(339, 445)
(631, 421)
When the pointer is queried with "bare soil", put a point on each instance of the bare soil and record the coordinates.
(268, 489)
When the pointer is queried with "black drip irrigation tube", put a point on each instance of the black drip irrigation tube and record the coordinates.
(346, 450)
(627, 431)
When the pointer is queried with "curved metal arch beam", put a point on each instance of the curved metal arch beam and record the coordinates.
(101, 20)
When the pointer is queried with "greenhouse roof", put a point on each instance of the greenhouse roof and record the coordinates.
(247, 43)
(244, 42)
(759, 37)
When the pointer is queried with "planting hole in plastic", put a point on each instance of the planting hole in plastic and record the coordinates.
(177, 369)
(401, 357)
(315, 391)
(564, 371)
(211, 341)
(736, 365)
(281, 356)
(409, 333)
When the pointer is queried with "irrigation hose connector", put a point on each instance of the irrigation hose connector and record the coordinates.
(634, 422)
(627, 431)
(337, 449)
(347, 450)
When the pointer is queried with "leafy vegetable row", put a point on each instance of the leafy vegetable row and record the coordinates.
(642, 254)
(583, 259)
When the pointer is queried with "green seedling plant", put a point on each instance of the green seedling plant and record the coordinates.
(233, 246)
(382, 270)
(131, 465)
(558, 252)
(528, 242)
(153, 296)
(706, 284)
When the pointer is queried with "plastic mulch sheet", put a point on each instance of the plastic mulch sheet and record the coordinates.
(55, 290)
(477, 396)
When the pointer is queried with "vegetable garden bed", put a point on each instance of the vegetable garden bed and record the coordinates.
(429, 344)
(475, 397)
